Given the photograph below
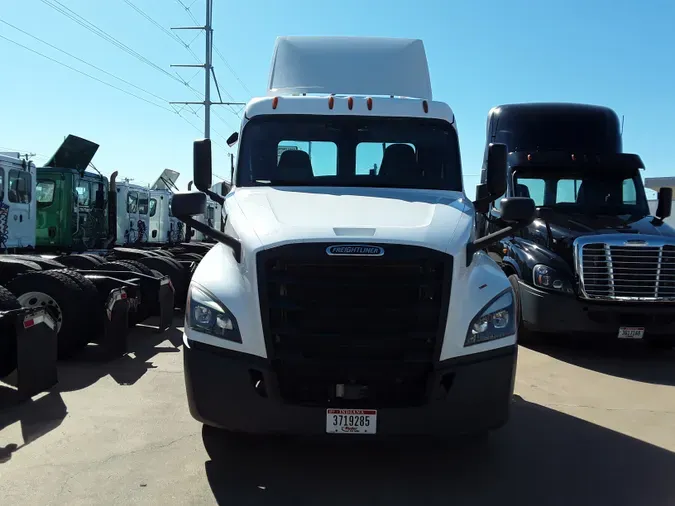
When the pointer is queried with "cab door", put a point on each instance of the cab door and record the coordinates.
(18, 220)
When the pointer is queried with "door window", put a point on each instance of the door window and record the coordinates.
(20, 187)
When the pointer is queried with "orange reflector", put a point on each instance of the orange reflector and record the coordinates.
(529, 158)
(425, 106)
(370, 103)
(331, 102)
(275, 102)
(350, 103)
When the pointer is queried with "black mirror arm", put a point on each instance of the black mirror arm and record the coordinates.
(215, 197)
(484, 241)
(219, 236)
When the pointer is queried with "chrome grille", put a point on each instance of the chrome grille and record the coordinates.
(627, 272)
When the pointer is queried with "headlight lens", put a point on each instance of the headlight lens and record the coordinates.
(495, 321)
(205, 314)
(548, 278)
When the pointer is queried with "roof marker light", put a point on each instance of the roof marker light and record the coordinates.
(573, 157)
(350, 103)
(529, 157)
(425, 105)
(331, 102)
(369, 102)
(275, 102)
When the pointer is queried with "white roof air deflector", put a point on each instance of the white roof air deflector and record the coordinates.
(350, 66)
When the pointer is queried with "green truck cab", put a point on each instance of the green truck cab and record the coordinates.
(71, 201)
(71, 209)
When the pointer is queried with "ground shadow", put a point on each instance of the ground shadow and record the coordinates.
(634, 361)
(45, 412)
(37, 417)
(542, 457)
(92, 364)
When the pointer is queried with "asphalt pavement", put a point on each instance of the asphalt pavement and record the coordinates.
(588, 426)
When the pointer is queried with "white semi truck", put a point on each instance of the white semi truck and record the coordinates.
(345, 300)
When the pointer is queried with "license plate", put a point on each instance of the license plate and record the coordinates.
(351, 421)
(631, 332)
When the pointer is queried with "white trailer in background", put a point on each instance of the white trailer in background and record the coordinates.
(655, 183)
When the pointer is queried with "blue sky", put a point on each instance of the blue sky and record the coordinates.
(481, 53)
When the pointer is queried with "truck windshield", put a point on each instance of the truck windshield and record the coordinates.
(590, 193)
(302, 150)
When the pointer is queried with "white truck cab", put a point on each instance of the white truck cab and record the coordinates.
(133, 220)
(163, 226)
(348, 294)
(18, 212)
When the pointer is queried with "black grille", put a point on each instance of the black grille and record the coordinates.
(355, 317)
(628, 272)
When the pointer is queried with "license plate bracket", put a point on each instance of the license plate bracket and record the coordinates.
(631, 332)
(351, 421)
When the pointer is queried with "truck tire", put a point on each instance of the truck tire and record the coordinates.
(44, 263)
(195, 257)
(84, 262)
(524, 335)
(175, 271)
(65, 300)
(95, 316)
(136, 266)
(12, 267)
(7, 341)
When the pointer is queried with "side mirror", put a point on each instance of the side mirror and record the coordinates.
(665, 204)
(496, 169)
(518, 210)
(202, 164)
(232, 139)
(186, 204)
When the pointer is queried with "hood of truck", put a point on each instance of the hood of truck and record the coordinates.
(281, 215)
(74, 153)
(564, 226)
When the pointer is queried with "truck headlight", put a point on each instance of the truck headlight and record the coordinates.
(495, 321)
(205, 314)
(548, 278)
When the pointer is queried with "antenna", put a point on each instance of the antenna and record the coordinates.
(622, 118)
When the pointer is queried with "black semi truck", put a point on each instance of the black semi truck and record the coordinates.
(594, 262)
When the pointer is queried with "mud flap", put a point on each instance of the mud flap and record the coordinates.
(116, 324)
(36, 352)
(166, 304)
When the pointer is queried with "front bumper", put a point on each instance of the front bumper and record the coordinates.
(464, 395)
(564, 314)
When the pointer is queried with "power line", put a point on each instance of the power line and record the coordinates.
(158, 25)
(173, 111)
(72, 15)
(85, 74)
(83, 61)
(232, 70)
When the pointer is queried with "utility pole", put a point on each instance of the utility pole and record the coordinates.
(208, 70)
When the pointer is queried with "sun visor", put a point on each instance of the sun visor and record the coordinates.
(350, 66)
